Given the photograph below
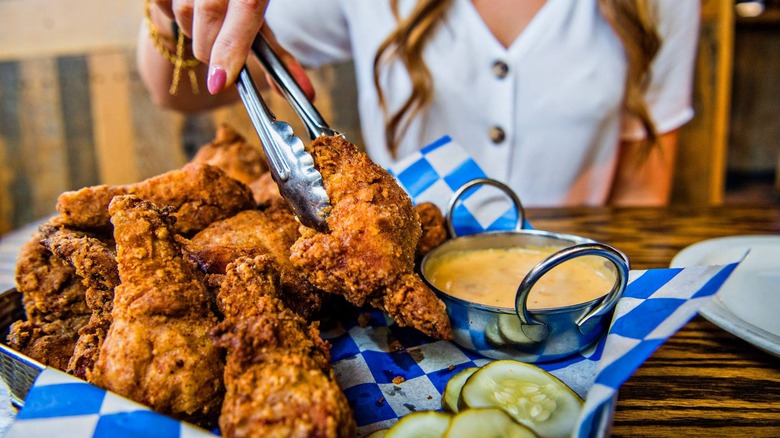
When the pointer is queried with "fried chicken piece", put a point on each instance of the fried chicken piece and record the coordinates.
(369, 252)
(230, 152)
(50, 288)
(278, 379)
(200, 193)
(265, 190)
(251, 233)
(434, 229)
(55, 306)
(158, 351)
(50, 343)
(94, 259)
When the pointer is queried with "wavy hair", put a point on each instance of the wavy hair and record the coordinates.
(631, 20)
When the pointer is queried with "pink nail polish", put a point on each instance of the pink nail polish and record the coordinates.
(217, 79)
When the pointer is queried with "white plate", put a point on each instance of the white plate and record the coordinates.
(748, 303)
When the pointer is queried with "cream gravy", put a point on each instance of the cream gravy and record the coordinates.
(491, 277)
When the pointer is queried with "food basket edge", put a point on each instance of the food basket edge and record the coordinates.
(17, 370)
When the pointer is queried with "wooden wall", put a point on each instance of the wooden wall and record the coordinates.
(74, 113)
(755, 116)
(701, 159)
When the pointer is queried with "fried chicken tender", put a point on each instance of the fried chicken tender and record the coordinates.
(200, 193)
(266, 190)
(50, 343)
(230, 152)
(158, 351)
(434, 230)
(54, 302)
(369, 253)
(278, 379)
(94, 260)
(251, 233)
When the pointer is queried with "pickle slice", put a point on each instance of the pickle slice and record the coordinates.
(449, 401)
(530, 395)
(423, 424)
(493, 334)
(486, 423)
(510, 329)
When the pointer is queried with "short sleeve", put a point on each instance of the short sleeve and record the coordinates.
(669, 94)
(314, 31)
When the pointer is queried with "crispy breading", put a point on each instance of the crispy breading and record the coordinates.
(158, 351)
(94, 258)
(50, 343)
(266, 190)
(370, 249)
(278, 379)
(252, 233)
(50, 288)
(200, 193)
(434, 229)
(230, 152)
(55, 306)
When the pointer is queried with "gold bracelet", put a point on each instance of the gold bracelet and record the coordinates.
(177, 59)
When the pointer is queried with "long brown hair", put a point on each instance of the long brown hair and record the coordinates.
(631, 20)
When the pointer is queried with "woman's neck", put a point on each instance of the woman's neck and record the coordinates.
(507, 19)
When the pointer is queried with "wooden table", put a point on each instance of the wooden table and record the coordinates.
(703, 381)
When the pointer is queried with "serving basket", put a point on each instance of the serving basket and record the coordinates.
(18, 371)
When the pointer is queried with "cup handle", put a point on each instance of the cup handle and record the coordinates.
(485, 181)
(537, 330)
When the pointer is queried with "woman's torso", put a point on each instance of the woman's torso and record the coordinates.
(548, 124)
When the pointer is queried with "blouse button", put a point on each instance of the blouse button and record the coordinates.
(500, 69)
(497, 135)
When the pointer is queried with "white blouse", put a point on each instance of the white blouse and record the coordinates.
(544, 115)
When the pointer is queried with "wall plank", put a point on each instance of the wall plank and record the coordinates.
(157, 133)
(10, 156)
(755, 133)
(701, 161)
(6, 199)
(112, 118)
(46, 28)
(42, 139)
(77, 121)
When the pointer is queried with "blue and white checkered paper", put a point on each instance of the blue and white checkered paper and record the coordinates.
(437, 171)
(369, 357)
(66, 407)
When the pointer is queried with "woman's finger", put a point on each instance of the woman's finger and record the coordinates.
(183, 11)
(232, 44)
(208, 22)
(166, 7)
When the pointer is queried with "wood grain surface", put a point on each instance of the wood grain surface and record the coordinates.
(703, 381)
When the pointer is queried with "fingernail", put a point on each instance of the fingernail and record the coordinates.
(217, 79)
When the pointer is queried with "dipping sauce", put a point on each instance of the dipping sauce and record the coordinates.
(491, 277)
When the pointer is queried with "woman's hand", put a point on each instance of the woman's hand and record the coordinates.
(222, 32)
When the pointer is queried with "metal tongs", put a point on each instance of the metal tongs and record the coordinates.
(300, 184)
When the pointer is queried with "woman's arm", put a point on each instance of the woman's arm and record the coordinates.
(645, 179)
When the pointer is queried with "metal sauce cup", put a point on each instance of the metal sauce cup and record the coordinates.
(528, 335)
